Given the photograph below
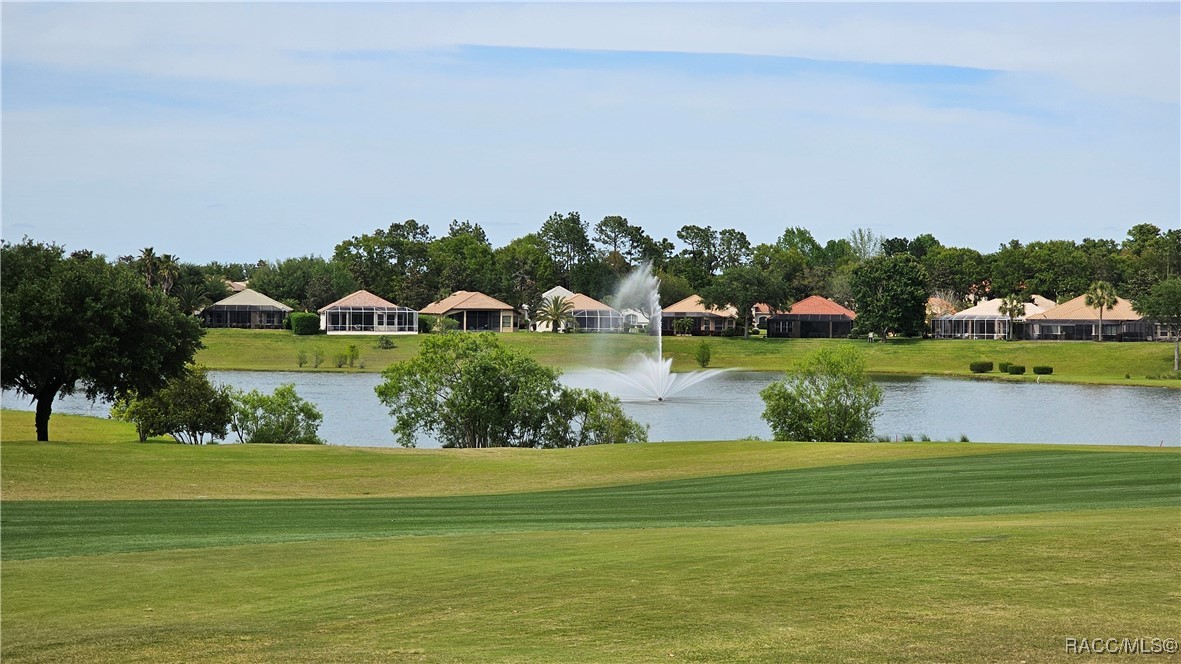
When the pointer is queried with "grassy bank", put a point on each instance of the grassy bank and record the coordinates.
(1079, 362)
(699, 552)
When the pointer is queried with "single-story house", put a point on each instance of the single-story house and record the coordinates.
(246, 309)
(475, 312)
(1075, 320)
(985, 321)
(706, 321)
(365, 313)
(813, 317)
(590, 315)
(634, 320)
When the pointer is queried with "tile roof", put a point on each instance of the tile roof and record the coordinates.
(361, 298)
(464, 301)
(693, 305)
(815, 305)
(249, 298)
(586, 303)
(1077, 309)
(993, 308)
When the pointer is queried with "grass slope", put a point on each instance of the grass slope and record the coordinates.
(1080, 362)
(833, 553)
(1016, 482)
(115, 468)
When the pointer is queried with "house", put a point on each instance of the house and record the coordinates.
(246, 309)
(1074, 320)
(937, 306)
(985, 321)
(475, 312)
(813, 317)
(589, 314)
(365, 313)
(706, 321)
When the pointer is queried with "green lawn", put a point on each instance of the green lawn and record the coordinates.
(661, 552)
(1080, 362)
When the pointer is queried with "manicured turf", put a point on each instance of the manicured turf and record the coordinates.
(688, 552)
(972, 485)
(1080, 362)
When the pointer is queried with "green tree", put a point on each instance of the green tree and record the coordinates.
(742, 287)
(1100, 295)
(827, 397)
(280, 417)
(1012, 306)
(1163, 304)
(392, 263)
(77, 322)
(526, 270)
(703, 354)
(566, 242)
(612, 232)
(891, 295)
(464, 260)
(555, 310)
(188, 408)
(468, 390)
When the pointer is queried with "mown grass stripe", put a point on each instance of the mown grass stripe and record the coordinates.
(961, 486)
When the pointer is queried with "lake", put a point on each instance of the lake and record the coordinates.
(728, 407)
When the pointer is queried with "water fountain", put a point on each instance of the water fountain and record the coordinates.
(648, 377)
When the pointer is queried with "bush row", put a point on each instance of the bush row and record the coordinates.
(1009, 368)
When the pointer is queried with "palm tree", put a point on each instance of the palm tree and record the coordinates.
(191, 297)
(556, 311)
(167, 271)
(1012, 306)
(1101, 295)
(147, 264)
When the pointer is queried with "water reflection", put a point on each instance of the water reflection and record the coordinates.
(728, 407)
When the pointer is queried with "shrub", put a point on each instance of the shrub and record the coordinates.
(353, 354)
(301, 357)
(703, 354)
(188, 408)
(385, 343)
(730, 332)
(980, 367)
(340, 359)
(282, 417)
(1016, 369)
(303, 322)
(317, 357)
(682, 326)
(827, 397)
(1043, 371)
(428, 324)
(1004, 367)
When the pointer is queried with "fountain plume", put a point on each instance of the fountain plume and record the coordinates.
(649, 376)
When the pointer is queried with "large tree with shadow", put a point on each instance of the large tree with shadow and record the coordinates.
(77, 323)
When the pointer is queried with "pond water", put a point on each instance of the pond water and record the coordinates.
(728, 407)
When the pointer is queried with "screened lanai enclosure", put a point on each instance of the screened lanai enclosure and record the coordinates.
(985, 326)
(365, 313)
(247, 309)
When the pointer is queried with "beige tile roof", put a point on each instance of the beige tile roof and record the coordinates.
(586, 303)
(361, 298)
(993, 308)
(1077, 309)
(249, 298)
(464, 301)
(693, 305)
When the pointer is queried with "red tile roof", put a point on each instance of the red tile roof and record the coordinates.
(822, 306)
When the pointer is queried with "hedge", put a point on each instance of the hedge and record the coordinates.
(980, 367)
(303, 322)
(1043, 371)
(1016, 369)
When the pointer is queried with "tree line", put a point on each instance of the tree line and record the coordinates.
(406, 264)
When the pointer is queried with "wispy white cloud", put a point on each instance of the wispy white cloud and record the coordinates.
(193, 123)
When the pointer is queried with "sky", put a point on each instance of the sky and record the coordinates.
(239, 132)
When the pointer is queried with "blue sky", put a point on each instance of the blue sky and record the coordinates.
(236, 132)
